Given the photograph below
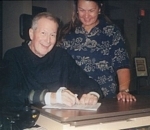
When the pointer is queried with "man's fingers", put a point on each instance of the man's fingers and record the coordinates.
(88, 99)
(69, 98)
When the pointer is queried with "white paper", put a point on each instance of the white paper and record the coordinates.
(76, 106)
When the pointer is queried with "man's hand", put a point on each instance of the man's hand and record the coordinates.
(125, 96)
(67, 98)
(88, 99)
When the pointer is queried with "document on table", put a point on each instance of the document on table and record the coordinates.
(76, 106)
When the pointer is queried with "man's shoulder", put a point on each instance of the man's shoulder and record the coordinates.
(60, 49)
(15, 50)
(62, 52)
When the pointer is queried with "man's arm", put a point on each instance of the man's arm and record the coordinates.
(44, 97)
(88, 89)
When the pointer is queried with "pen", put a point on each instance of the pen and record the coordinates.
(76, 95)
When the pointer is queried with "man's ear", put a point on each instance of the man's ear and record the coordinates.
(31, 33)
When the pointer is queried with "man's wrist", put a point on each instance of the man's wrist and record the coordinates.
(58, 94)
(95, 94)
(47, 98)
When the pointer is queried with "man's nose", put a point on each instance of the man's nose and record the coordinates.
(48, 38)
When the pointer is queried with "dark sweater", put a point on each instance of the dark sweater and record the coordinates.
(26, 72)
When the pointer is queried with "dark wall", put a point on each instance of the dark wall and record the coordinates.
(1, 30)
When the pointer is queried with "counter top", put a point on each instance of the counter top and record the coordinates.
(110, 110)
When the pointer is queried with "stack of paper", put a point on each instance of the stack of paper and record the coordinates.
(76, 106)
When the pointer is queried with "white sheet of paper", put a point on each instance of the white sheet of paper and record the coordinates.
(76, 106)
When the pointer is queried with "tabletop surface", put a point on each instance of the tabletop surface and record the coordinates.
(110, 109)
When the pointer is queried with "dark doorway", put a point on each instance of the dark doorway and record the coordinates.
(1, 43)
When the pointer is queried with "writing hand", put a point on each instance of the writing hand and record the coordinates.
(68, 98)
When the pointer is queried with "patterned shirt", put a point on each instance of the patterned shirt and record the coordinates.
(100, 53)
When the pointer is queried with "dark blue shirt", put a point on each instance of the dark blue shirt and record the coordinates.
(100, 53)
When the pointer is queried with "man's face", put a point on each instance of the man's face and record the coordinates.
(43, 38)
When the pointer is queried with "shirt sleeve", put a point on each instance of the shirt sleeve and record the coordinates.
(119, 54)
(47, 98)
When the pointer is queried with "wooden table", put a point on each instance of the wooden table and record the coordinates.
(111, 115)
